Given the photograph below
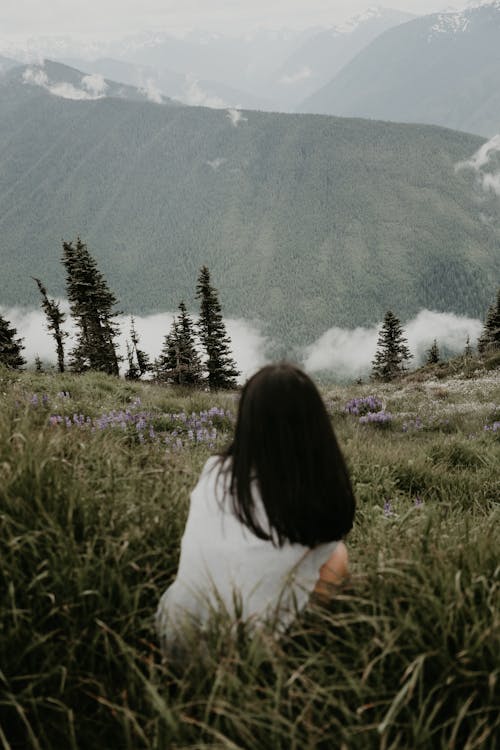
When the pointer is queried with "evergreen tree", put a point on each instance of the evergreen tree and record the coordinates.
(222, 372)
(468, 348)
(133, 371)
(433, 354)
(490, 336)
(38, 364)
(91, 304)
(55, 319)
(180, 362)
(138, 361)
(392, 350)
(10, 347)
(168, 363)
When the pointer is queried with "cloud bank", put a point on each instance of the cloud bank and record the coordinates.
(247, 342)
(94, 86)
(348, 354)
(342, 354)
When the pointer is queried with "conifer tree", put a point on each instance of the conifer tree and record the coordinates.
(55, 319)
(38, 364)
(138, 361)
(179, 361)
(91, 304)
(10, 346)
(167, 364)
(433, 354)
(490, 336)
(468, 348)
(222, 372)
(392, 350)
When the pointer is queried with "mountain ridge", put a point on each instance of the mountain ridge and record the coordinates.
(305, 221)
(440, 69)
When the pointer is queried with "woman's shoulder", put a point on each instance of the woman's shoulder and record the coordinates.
(214, 468)
(214, 465)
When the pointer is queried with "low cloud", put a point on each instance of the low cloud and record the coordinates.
(485, 163)
(300, 75)
(343, 354)
(63, 89)
(248, 345)
(152, 92)
(195, 96)
(95, 84)
(236, 117)
(347, 354)
(216, 163)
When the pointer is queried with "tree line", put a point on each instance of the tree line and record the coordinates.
(93, 310)
(92, 307)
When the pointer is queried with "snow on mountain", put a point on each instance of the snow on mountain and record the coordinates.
(352, 23)
(449, 23)
(459, 21)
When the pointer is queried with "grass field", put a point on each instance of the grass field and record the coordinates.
(95, 476)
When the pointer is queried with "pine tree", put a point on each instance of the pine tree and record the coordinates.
(468, 348)
(490, 336)
(168, 363)
(222, 372)
(91, 304)
(180, 362)
(133, 371)
(10, 347)
(138, 361)
(55, 319)
(433, 354)
(38, 364)
(392, 350)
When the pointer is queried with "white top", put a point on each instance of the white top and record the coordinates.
(223, 562)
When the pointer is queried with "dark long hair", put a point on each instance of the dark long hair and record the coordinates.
(285, 441)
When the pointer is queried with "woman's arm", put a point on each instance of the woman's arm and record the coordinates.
(332, 574)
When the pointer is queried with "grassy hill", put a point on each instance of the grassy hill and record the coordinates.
(305, 221)
(90, 526)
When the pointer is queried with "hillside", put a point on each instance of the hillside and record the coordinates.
(306, 222)
(93, 508)
(441, 69)
(325, 53)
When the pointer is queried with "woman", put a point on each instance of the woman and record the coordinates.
(267, 516)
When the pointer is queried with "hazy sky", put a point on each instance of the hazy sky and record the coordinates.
(20, 18)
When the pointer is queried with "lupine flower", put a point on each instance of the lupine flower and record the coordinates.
(388, 508)
(381, 418)
(174, 430)
(418, 501)
(364, 405)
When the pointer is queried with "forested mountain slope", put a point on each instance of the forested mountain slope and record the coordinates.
(305, 221)
(441, 69)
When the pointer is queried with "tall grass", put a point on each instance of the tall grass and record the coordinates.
(90, 524)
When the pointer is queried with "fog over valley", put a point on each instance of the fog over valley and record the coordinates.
(340, 353)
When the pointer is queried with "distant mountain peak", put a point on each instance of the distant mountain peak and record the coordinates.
(449, 23)
(370, 14)
(458, 21)
(473, 4)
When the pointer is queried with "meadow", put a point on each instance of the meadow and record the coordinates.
(95, 475)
